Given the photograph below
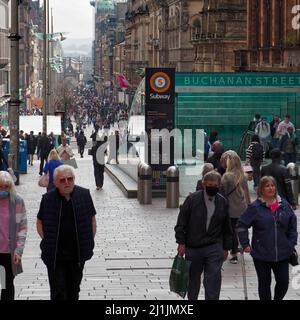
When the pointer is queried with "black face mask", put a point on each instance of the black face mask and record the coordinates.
(212, 191)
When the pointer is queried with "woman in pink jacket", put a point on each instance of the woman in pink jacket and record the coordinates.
(13, 231)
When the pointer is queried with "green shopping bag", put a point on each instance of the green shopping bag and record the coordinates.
(179, 276)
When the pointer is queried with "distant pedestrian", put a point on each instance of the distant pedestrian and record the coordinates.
(284, 125)
(263, 130)
(67, 226)
(99, 162)
(52, 163)
(274, 131)
(81, 142)
(281, 175)
(288, 145)
(13, 232)
(31, 147)
(255, 156)
(64, 150)
(217, 151)
(274, 227)
(44, 147)
(3, 160)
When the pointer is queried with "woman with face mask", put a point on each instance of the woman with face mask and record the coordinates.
(234, 186)
(13, 231)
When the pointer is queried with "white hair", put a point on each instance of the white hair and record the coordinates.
(63, 168)
(6, 179)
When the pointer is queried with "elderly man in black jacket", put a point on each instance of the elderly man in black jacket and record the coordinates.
(282, 176)
(67, 225)
(204, 235)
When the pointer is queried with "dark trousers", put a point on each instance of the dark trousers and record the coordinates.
(9, 292)
(281, 273)
(256, 172)
(43, 158)
(98, 174)
(81, 150)
(209, 260)
(289, 157)
(65, 280)
(235, 241)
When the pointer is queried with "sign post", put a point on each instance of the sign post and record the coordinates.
(159, 121)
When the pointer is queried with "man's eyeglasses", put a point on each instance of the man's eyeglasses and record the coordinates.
(65, 180)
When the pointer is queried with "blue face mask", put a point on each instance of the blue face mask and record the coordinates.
(4, 194)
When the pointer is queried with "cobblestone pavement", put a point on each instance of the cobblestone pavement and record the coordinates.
(134, 248)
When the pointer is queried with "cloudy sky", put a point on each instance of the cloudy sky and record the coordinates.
(74, 17)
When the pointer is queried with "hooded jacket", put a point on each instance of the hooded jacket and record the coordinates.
(274, 235)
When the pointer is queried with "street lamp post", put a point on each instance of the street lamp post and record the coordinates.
(45, 63)
(14, 103)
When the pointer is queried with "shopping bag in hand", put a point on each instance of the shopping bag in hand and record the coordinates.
(179, 276)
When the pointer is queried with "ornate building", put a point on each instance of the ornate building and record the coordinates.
(216, 31)
(4, 61)
(273, 37)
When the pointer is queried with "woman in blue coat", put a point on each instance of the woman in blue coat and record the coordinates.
(274, 238)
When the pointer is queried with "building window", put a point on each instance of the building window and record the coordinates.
(196, 30)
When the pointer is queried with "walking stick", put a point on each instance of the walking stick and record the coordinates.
(243, 272)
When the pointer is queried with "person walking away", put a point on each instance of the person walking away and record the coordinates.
(64, 150)
(288, 145)
(98, 163)
(274, 237)
(234, 187)
(38, 151)
(45, 147)
(81, 142)
(282, 177)
(13, 232)
(67, 226)
(204, 235)
(255, 156)
(263, 130)
(31, 146)
(52, 163)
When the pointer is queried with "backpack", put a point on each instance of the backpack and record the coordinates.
(257, 152)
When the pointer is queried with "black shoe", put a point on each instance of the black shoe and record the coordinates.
(233, 260)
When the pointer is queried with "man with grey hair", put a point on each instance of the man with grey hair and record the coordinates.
(204, 235)
(67, 225)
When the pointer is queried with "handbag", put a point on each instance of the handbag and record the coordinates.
(71, 162)
(44, 180)
(293, 261)
(179, 276)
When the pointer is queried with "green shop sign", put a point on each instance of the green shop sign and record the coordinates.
(237, 80)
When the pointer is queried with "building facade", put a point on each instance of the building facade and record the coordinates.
(4, 61)
(273, 37)
(215, 32)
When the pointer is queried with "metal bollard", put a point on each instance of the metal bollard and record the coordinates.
(139, 185)
(172, 187)
(293, 169)
(146, 184)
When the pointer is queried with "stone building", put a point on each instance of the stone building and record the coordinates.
(273, 37)
(4, 61)
(216, 31)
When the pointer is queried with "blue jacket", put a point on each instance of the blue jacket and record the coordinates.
(274, 235)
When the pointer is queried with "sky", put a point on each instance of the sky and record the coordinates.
(74, 17)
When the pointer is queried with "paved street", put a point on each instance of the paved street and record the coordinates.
(134, 248)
